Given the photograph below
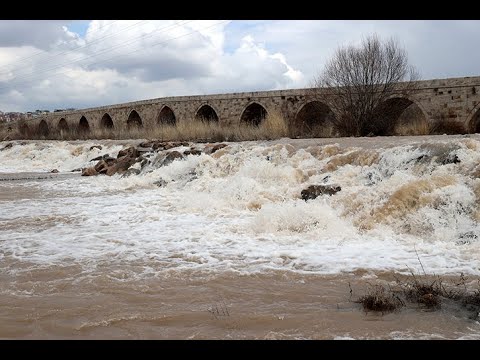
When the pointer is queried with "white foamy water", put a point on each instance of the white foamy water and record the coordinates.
(241, 210)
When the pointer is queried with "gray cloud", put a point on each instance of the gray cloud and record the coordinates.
(37, 33)
(121, 61)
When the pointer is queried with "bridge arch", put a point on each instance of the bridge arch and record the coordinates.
(83, 125)
(43, 129)
(473, 120)
(253, 114)
(400, 115)
(134, 120)
(206, 113)
(313, 119)
(106, 122)
(62, 125)
(166, 116)
(24, 130)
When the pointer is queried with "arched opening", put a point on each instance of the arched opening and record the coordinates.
(62, 125)
(399, 116)
(106, 122)
(475, 122)
(43, 129)
(83, 125)
(24, 130)
(313, 120)
(166, 117)
(207, 114)
(253, 114)
(134, 120)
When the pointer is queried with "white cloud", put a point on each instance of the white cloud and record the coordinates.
(45, 64)
(118, 61)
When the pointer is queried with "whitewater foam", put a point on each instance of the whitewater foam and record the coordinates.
(241, 209)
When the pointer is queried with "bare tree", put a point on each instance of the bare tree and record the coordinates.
(357, 82)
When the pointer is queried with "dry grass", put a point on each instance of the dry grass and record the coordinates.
(415, 127)
(447, 126)
(378, 298)
(274, 126)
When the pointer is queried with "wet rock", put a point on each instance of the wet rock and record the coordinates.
(314, 191)
(8, 146)
(77, 170)
(90, 171)
(130, 172)
(101, 157)
(162, 145)
(466, 238)
(99, 147)
(142, 149)
(130, 152)
(160, 183)
(101, 167)
(120, 166)
(171, 156)
(192, 152)
(448, 159)
(211, 148)
(54, 171)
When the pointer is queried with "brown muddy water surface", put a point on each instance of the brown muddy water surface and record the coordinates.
(227, 249)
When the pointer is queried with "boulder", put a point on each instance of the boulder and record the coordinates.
(101, 157)
(129, 152)
(120, 166)
(316, 190)
(171, 156)
(101, 167)
(90, 171)
(211, 148)
(448, 159)
(8, 146)
(130, 172)
(99, 147)
(162, 145)
(54, 171)
(192, 152)
(160, 183)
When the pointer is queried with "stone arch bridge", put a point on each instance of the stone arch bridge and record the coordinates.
(455, 99)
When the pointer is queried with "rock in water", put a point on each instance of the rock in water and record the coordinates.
(192, 152)
(160, 182)
(211, 148)
(130, 152)
(99, 147)
(8, 146)
(54, 171)
(316, 190)
(89, 171)
(171, 156)
(130, 172)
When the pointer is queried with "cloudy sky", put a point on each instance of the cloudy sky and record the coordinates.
(84, 63)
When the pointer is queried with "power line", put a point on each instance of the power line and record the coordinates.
(43, 53)
(106, 50)
(80, 47)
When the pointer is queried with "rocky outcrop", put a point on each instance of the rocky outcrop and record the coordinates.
(90, 171)
(192, 152)
(211, 148)
(145, 154)
(8, 146)
(313, 191)
(162, 145)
